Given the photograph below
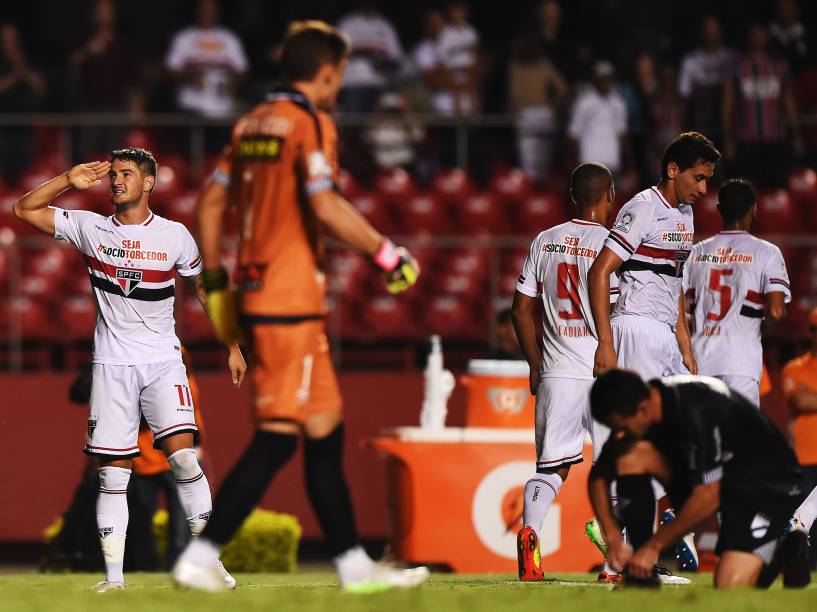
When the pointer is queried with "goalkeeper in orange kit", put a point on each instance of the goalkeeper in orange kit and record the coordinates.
(279, 173)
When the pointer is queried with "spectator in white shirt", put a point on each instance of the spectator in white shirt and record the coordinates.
(207, 60)
(376, 55)
(787, 36)
(393, 137)
(458, 47)
(598, 124)
(703, 74)
(436, 76)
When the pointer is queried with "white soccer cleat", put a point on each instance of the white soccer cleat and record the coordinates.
(384, 577)
(189, 575)
(229, 581)
(667, 577)
(104, 586)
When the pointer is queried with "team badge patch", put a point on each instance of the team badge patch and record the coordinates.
(104, 532)
(91, 426)
(760, 525)
(625, 223)
(128, 279)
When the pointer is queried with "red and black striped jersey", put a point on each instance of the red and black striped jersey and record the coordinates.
(132, 270)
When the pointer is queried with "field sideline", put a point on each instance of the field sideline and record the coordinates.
(305, 592)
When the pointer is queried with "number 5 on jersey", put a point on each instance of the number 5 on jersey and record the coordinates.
(567, 288)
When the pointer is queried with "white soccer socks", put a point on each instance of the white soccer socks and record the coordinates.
(194, 490)
(807, 512)
(112, 519)
(354, 565)
(540, 491)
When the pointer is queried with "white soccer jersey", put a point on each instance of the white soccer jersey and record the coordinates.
(654, 240)
(556, 269)
(725, 279)
(133, 274)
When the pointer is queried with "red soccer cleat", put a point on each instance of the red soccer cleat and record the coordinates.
(527, 550)
(606, 578)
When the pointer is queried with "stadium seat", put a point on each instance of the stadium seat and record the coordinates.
(376, 210)
(181, 208)
(452, 317)
(53, 265)
(424, 214)
(452, 186)
(37, 175)
(348, 185)
(803, 193)
(472, 286)
(171, 177)
(7, 216)
(33, 317)
(706, 218)
(344, 317)
(195, 325)
(480, 214)
(141, 138)
(74, 200)
(395, 186)
(388, 317)
(775, 214)
(347, 273)
(77, 317)
(511, 186)
(539, 212)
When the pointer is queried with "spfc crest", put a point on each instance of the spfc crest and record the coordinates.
(510, 400)
(128, 279)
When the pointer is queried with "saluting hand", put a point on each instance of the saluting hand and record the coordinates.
(85, 176)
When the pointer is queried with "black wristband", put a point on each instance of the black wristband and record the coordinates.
(214, 280)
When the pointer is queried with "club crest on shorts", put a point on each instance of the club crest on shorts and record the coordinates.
(91, 427)
(504, 399)
(128, 279)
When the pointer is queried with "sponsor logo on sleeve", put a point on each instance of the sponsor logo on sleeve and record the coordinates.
(625, 222)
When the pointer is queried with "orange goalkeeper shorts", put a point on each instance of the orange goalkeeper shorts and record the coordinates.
(292, 373)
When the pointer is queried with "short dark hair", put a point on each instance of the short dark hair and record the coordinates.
(688, 150)
(735, 198)
(307, 46)
(617, 392)
(143, 159)
(589, 182)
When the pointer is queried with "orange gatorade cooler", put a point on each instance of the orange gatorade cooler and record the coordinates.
(498, 394)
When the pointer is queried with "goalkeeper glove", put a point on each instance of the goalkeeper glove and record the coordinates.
(400, 269)
(221, 305)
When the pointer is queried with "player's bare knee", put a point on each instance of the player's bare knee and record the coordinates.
(177, 442)
(281, 427)
(125, 464)
(321, 425)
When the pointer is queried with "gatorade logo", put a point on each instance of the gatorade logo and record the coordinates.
(510, 400)
(496, 511)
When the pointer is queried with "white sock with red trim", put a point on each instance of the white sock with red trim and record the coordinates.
(112, 519)
(194, 490)
(540, 491)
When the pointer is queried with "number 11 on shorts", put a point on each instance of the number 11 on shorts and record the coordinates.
(184, 394)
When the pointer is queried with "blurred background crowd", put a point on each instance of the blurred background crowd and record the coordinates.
(459, 124)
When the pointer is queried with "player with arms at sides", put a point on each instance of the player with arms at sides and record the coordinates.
(133, 257)
(702, 441)
(648, 246)
(280, 175)
(733, 280)
(555, 272)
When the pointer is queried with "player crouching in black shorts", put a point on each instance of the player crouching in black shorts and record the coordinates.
(712, 450)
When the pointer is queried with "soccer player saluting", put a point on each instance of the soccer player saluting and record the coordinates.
(701, 440)
(555, 272)
(733, 280)
(280, 174)
(132, 257)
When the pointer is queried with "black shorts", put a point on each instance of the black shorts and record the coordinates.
(753, 521)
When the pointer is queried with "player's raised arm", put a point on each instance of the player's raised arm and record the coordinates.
(598, 284)
(683, 337)
(33, 206)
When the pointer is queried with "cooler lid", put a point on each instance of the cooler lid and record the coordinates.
(498, 367)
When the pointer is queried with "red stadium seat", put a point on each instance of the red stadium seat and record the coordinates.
(389, 317)
(775, 213)
(181, 208)
(706, 218)
(347, 273)
(7, 216)
(803, 193)
(511, 185)
(77, 317)
(37, 175)
(140, 138)
(469, 286)
(347, 184)
(452, 186)
(74, 200)
(195, 325)
(344, 317)
(453, 317)
(481, 214)
(539, 212)
(32, 316)
(376, 210)
(424, 214)
(395, 185)
(53, 266)
(171, 177)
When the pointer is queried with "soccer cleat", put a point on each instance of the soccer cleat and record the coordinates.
(667, 577)
(229, 581)
(684, 550)
(189, 575)
(528, 555)
(606, 578)
(592, 530)
(104, 586)
(384, 577)
(796, 571)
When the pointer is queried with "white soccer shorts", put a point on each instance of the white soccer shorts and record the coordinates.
(647, 347)
(563, 420)
(747, 386)
(120, 394)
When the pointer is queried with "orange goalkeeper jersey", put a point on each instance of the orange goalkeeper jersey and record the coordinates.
(281, 152)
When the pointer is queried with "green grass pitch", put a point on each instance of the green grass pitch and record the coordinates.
(307, 592)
